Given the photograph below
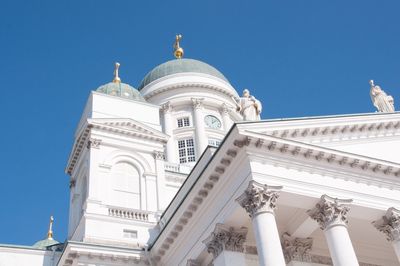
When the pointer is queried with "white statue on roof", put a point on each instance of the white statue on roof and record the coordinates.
(383, 102)
(249, 107)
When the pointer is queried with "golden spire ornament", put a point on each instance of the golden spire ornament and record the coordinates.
(178, 51)
(50, 232)
(116, 77)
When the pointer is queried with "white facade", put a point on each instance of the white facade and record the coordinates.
(179, 179)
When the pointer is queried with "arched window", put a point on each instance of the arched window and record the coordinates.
(126, 185)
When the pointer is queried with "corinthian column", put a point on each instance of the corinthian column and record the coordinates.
(260, 202)
(201, 137)
(168, 129)
(226, 245)
(390, 226)
(331, 215)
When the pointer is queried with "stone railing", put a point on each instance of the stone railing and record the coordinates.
(130, 214)
(177, 168)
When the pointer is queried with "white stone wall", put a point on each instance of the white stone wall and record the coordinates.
(19, 256)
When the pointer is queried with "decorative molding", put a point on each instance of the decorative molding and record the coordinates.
(93, 143)
(74, 256)
(225, 109)
(126, 127)
(328, 156)
(159, 155)
(330, 211)
(72, 183)
(326, 131)
(225, 238)
(197, 103)
(389, 224)
(224, 90)
(244, 142)
(166, 107)
(259, 198)
(296, 249)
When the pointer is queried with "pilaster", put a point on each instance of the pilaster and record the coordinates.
(225, 243)
(296, 249)
(198, 115)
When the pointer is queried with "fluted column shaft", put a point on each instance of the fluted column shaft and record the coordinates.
(331, 214)
(168, 129)
(389, 224)
(198, 117)
(259, 202)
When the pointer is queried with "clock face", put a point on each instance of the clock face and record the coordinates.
(212, 122)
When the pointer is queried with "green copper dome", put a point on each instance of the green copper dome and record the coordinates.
(43, 244)
(180, 66)
(122, 90)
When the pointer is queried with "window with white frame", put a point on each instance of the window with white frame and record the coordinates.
(183, 122)
(186, 151)
(214, 142)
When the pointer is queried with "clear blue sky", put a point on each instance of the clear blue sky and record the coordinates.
(300, 58)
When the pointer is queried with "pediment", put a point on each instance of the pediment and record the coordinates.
(129, 127)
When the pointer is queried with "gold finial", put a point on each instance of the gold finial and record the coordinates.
(50, 232)
(178, 51)
(116, 77)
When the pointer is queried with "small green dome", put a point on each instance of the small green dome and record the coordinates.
(121, 89)
(180, 66)
(43, 244)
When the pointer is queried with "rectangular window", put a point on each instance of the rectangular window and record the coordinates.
(214, 142)
(186, 151)
(183, 122)
(130, 233)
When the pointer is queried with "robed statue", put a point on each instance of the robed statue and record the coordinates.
(383, 102)
(249, 107)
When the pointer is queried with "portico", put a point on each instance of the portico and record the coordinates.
(289, 208)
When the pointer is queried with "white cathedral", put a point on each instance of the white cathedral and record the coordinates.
(183, 172)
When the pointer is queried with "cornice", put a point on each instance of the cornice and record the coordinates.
(86, 251)
(192, 85)
(340, 127)
(322, 155)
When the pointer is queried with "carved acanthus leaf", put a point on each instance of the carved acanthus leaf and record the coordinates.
(296, 248)
(389, 224)
(259, 198)
(330, 211)
(226, 238)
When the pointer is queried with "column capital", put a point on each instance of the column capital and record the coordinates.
(166, 107)
(158, 155)
(330, 211)
(296, 248)
(258, 198)
(389, 224)
(225, 238)
(224, 109)
(197, 103)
